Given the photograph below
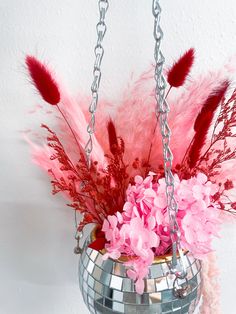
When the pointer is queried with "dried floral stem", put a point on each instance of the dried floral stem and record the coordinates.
(206, 152)
(154, 131)
(167, 94)
(187, 150)
(151, 145)
(69, 126)
(73, 168)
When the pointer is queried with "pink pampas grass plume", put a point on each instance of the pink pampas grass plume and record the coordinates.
(210, 286)
(135, 116)
(72, 110)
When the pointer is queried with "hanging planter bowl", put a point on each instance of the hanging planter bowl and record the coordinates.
(107, 289)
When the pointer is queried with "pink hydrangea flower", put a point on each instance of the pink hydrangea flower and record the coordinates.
(142, 230)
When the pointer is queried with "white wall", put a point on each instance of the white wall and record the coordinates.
(38, 271)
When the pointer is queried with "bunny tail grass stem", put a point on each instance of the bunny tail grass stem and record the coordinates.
(154, 131)
(151, 145)
(186, 152)
(167, 94)
(69, 126)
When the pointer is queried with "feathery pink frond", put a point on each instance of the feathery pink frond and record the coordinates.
(136, 128)
(72, 109)
(210, 286)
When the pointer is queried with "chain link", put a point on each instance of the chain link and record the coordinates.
(99, 52)
(162, 109)
(78, 236)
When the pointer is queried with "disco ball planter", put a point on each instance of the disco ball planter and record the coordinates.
(106, 288)
(123, 176)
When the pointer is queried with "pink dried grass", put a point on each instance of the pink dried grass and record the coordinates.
(210, 286)
(135, 116)
(135, 119)
(72, 109)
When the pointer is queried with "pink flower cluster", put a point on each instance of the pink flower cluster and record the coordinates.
(141, 231)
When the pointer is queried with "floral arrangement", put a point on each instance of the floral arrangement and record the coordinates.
(123, 191)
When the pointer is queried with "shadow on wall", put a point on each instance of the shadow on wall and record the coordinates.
(40, 248)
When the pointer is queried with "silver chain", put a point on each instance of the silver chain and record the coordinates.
(99, 52)
(162, 109)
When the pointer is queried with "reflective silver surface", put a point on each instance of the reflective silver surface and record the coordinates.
(106, 288)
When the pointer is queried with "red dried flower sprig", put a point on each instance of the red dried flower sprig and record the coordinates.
(69, 183)
(219, 151)
(95, 193)
(223, 130)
